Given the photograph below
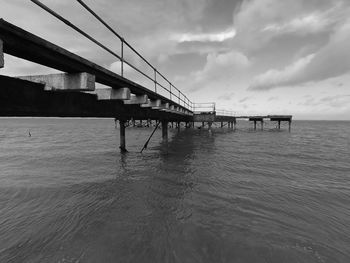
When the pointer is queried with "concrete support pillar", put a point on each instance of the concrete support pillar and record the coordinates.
(65, 81)
(122, 136)
(203, 124)
(210, 124)
(178, 124)
(222, 124)
(279, 125)
(254, 125)
(262, 125)
(165, 131)
(1, 55)
(289, 125)
(137, 99)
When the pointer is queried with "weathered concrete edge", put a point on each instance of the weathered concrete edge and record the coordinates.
(64, 81)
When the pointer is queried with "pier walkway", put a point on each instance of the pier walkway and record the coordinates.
(73, 93)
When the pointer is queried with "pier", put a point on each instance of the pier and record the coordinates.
(73, 92)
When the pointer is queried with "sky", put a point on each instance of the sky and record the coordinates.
(253, 57)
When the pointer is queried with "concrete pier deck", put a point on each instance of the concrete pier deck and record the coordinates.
(72, 93)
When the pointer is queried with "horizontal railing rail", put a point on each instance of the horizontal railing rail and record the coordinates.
(175, 94)
(204, 107)
(225, 113)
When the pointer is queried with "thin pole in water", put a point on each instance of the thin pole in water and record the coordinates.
(146, 144)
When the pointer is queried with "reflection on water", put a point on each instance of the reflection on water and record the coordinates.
(68, 195)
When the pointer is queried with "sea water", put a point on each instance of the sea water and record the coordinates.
(67, 194)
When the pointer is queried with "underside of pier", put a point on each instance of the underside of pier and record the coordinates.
(25, 98)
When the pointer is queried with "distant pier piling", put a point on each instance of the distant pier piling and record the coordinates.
(122, 135)
(165, 131)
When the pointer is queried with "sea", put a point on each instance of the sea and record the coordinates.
(67, 194)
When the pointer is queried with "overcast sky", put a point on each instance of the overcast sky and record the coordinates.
(250, 56)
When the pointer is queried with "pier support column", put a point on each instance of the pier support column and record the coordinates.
(178, 124)
(279, 125)
(222, 124)
(234, 124)
(122, 136)
(289, 125)
(165, 131)
(209, 125)
(262, 125)
(254, 125)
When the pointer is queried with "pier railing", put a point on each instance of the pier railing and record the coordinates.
(161, 83)
(204, 107)
(225, 113)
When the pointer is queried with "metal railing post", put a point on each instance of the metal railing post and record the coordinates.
(182, 98)
(155, 79)
(122, 56)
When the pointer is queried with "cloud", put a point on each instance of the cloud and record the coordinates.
(227, 96)
(117, 66)
(273, 98)
(274, 78)
(205, 37)
(258, 22)
(330, 61)
(332, 101)
(310, 23)
(244, 99)
(19, 67)
(219, 67)
(336, 101)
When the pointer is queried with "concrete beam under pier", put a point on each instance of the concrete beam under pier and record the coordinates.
(23, 44)
(113, 94)
(64, 81)
(1, 54)
(24, 98)
(152, 103)
(137, 99)
(162, 106)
